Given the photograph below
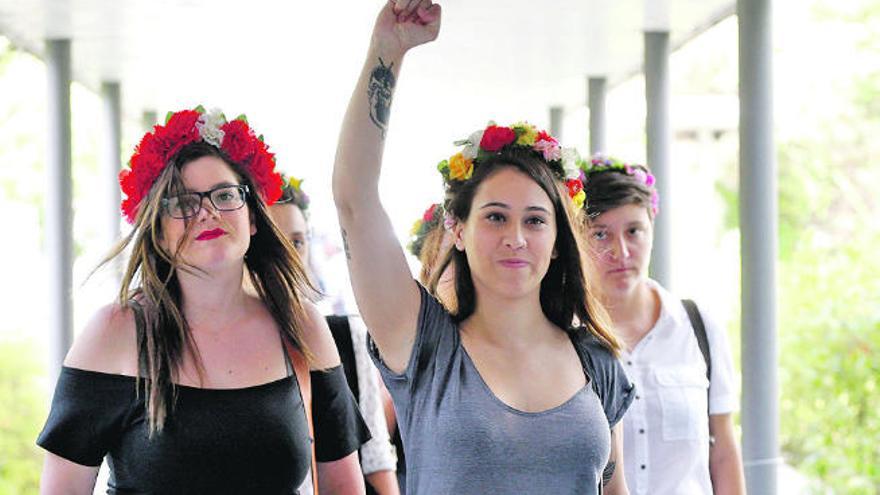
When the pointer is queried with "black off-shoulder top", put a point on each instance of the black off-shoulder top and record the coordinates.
(245, 440)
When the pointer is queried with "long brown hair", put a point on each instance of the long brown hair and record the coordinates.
(565, 294)
(429, 252)
(150, 283)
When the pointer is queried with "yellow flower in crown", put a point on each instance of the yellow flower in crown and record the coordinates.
(460, 168)
(579, 199)
(295, 183)
(527, 133)
(416, 227)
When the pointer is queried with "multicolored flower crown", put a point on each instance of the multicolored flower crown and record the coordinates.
(431, 218)
(292, 193)
(601, 163)
(157, 148)
(485, 143)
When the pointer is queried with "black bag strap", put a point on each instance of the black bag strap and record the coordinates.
(703, 342)
(340, 328)
(341, 331)
(700, 333)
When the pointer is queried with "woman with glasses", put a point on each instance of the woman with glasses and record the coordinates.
(188, 383)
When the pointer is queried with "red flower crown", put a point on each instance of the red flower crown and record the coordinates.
(235, 138)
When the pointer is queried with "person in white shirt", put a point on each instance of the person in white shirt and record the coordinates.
(674, 442)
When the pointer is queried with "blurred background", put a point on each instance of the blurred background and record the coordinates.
(291, 69)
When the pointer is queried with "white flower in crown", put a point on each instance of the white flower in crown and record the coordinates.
(448, 221)
(570, 158)
(471, 145)
(209, 127)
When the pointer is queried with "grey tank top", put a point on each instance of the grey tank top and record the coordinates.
(459, 438)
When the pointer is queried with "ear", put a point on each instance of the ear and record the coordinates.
(554, 254)
(253, 221)
(457, 236)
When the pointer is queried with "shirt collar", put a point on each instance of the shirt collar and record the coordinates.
(670, 306)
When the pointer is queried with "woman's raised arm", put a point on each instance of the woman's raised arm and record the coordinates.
(387, 296)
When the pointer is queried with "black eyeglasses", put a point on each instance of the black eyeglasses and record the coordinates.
(223, 198)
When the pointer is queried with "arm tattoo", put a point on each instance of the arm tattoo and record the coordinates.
(345, 244)
(608, 472)
(380, 92)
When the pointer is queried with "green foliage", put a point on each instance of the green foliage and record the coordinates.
(23, 395)
(829, 291)
(829, 306)
(830, 361)
(23, 401)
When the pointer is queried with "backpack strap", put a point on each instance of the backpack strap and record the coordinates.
(703, 342)
(340, 328)
(301, 369)
(700, 333)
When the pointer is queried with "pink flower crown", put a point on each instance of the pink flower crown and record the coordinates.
(485, 143)
(157, 149)
(601, 163)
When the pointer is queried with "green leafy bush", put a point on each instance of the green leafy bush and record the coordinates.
(23, 402)
(830, 364)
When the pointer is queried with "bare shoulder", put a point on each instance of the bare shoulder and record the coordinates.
(318, 339)
(108, 343)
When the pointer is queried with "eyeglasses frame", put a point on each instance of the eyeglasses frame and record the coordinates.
(243, 191)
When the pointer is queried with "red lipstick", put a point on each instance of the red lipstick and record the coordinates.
(210, 234)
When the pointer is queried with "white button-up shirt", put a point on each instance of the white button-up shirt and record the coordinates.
(666, 430)
(378, 454)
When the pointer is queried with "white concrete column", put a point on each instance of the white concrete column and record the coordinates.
(596, 95)
(556, 115)
(59, 212)
(758, 228)
(659, 135)
(111, 162)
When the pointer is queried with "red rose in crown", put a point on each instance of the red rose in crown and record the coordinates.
(495, 138)
(158, 148)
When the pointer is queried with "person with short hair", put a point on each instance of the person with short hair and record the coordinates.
(668, 429)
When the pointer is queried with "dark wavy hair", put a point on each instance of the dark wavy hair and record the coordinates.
(565, 294)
